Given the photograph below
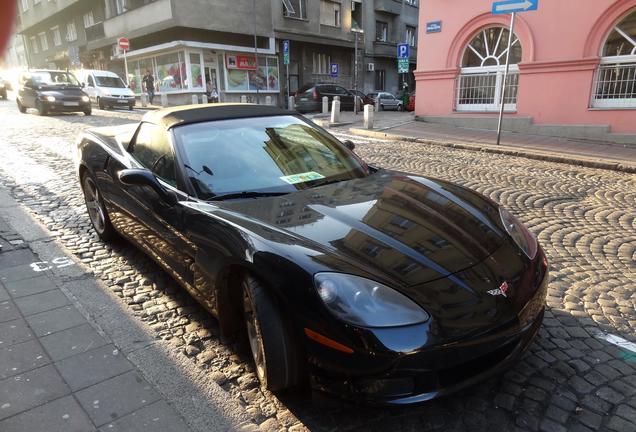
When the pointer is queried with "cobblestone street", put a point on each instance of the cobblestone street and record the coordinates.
(579, 375)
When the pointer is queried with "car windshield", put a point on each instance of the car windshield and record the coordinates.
(278, 154)
(106, 81)
(54, 78)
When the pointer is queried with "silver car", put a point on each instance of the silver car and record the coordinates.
(387, 101)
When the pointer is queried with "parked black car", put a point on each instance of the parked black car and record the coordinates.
(51, 91)
(309, 97)
(366, 100)
(370, 284)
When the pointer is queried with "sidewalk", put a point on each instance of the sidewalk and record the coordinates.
(579, 152)
(57, 373)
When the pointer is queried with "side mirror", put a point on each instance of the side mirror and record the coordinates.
(144, 177)
(349, 144)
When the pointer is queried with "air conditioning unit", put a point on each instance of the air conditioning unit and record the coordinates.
(370, 67)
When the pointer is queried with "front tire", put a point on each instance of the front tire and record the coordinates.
(21, 107)
(100, 104)
(88, 112)
(39, 106)
(96, 210)
(273, 348)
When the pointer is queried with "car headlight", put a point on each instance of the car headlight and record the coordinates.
(519, 233)
(50, 98)
(366, 303)
(85, 99)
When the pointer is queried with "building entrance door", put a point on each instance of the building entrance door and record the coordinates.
(212, 84)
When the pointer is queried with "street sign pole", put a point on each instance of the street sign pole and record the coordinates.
(355, 74)
(505, 77)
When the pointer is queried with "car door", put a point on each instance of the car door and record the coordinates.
(90, 87)
(28, 93)
(388, 101)
(346, 98)
(147, 219)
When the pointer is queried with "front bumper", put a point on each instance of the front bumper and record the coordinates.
(117, 101)
(66, 106)
(409, 377)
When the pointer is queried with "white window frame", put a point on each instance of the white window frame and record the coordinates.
(71, 36)
(34, 44)
(300, 14)
(89, 19)
(411, 2)
(24, 5)
(385, 35)
(57, 36)
(612, 73)
(410, 35)
(321, 63)
(44, 42)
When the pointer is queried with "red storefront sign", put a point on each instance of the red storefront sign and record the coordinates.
(233, 61)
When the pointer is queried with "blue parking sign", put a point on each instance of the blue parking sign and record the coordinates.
(286, 46)
(403, 50)
(334, 70)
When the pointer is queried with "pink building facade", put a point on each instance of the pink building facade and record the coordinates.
(572, 64)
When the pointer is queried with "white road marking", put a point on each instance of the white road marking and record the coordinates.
(617, 340)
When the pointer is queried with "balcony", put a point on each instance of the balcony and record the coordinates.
(389, 49)
(388, 6)
(95, 32)
(138, 18)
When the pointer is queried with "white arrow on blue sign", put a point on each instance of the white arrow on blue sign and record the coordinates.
(403, 50)
(506, 7)
(334, 70)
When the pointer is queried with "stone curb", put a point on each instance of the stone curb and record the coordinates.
(507, 150)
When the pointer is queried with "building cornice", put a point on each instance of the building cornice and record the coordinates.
(558, 66)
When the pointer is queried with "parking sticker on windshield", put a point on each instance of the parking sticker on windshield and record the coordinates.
(302, 177)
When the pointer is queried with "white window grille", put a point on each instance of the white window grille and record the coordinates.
(71, 32)
(295, 9)
(34, 45)
(24, 5)
(44, 43)
(615, 80)
(410, 35)
(57, 37)
(88, 19)
(478, 86)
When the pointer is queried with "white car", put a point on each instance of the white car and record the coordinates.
(387, 101)
(106, 89)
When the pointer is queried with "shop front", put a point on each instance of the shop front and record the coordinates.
(182, 69)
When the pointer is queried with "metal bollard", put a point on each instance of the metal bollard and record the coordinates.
(204, 98)
(144, 100)
(164, 100)
(325, 105)
(268, 100)
(195, 99)
(243, 99)
(377, 104)
(335, 111)
(291, 103)
(368, 116)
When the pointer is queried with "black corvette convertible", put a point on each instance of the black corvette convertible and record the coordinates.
(366, 283)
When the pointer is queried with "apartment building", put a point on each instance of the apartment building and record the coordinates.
(236, 46)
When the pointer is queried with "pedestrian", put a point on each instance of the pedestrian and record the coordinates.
(149, 82)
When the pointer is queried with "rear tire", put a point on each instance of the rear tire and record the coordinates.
(96, 209)
(274, 351)
(130, 107)
(88, 112)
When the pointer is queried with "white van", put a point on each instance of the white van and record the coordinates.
(106, 89)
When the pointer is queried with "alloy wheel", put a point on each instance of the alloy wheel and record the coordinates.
(94, 205)
(254, 336)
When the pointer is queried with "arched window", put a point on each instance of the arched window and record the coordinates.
(483, 64)
(615, 82)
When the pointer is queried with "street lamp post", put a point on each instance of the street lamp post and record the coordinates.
(355, 68)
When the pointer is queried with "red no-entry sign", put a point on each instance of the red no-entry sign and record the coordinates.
(123, 43)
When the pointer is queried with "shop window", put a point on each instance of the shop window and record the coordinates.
(295, 9)
(481, 76)
(196, 77)
(330, 13)
(615, 79)
(170, 72)
(243, 75)
(381, 31)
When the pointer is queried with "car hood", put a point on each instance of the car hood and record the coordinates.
(59, 91)
(405, 229)
(117, 90)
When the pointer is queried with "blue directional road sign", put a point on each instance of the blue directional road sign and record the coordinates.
(510, 6)
(334, 70)
(403, 50)
(286, 52)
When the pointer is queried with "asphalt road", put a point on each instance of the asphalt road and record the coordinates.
(580, 374)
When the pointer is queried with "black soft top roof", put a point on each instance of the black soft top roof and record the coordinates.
(177, 116)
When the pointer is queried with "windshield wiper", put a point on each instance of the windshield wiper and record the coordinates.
(246, 194)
